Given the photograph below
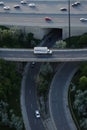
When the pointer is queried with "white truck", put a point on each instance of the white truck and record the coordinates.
(42, 50)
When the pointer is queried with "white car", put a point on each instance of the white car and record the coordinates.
(23, 2)
(31, 5)
(37, 114)
(6, 8)
(1, 3)
(76, 4)
(17, 6)
(83, 19)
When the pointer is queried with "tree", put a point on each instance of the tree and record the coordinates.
(83, 83)
(16, 122)
(80, 104)
(60, 44)
(82, 42)
(83, 69)
(7, 36)
(8, 118)
(46, 70)
(43, 87)
(44, 77)
(83, 123)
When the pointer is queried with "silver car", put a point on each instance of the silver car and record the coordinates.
(31, 5)
(37, 114)
(1, 3)
(23, 2)
(6, 8)
(83, 19)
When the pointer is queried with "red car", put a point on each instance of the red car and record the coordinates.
(48, 19)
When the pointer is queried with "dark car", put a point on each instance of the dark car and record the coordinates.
(32, 64)
(16, 6)
(63, 9)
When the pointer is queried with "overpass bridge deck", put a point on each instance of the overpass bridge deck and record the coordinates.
(27, 55)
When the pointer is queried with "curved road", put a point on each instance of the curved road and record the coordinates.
(20, 17)
(31, 99)
(58, 97)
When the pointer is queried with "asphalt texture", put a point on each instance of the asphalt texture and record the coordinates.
(31, 99)
(59, 109)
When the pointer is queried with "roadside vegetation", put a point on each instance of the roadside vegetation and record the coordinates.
(73, 42)
(14, 38)
(10, 78)
(78, 97)
(77, 41)
(10, 84)
(60, 44)
(44, 79)
(78, 87)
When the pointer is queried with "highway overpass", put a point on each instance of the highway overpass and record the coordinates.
(27, 16)
(27, 55)
(34, 18)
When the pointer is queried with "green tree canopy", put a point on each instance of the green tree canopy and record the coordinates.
(83, 83)
(82, 42)
(60, 44)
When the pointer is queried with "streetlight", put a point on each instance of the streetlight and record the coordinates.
(69, 20)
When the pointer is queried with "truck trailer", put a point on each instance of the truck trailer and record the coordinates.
(42, 50)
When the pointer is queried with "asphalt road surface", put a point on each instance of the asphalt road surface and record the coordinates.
(57, 55)
(31, 99)
(30, 90)
(58, 20)
(47, 6)
(27, 16)
(57, 100)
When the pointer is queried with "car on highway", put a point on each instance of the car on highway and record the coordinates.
(1, 3)
(83, 19)
(6, 8)
(31, 5)
(37, 114)
(23, 2)
(32, 64)
(63, 9)
(48, 19)
(16, 6)
(75, 4)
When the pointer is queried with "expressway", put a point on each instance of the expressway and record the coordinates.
(27, 16)
(27, 55)
(58, 20)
